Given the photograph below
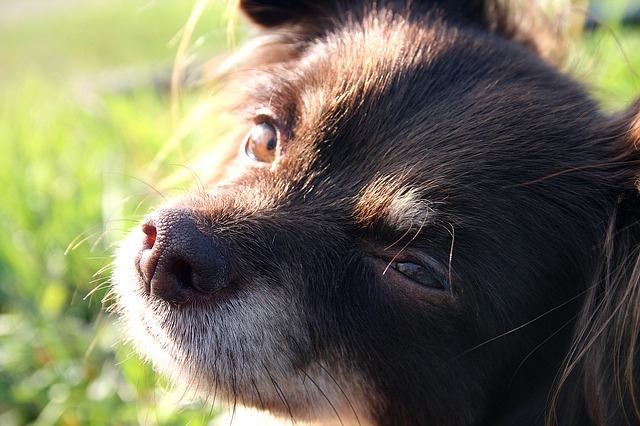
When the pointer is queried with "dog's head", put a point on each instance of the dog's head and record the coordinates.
(408, 232)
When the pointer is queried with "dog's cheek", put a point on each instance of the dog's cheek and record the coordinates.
(426, 336)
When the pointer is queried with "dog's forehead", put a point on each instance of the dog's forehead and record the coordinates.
(392, 88)
(366, 70)
(440, 111)
(389, 93)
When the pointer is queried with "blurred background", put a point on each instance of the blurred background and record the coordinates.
(88, 127)
(86, 131)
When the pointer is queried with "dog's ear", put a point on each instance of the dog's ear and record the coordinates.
(603, 363)
(516, 20)
(273, 13)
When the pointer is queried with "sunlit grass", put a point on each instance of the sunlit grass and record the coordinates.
(80, 123)
(609, 63)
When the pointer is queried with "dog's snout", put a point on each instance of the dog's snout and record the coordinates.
(179, 263)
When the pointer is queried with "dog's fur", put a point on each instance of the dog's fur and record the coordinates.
(410, 134)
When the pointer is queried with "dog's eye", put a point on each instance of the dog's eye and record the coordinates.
(261, 143)
(423, 275)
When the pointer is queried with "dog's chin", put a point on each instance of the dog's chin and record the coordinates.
(250, 348)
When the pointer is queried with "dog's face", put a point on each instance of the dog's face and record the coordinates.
(402, 238)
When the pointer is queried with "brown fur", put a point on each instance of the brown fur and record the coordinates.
(424, 135)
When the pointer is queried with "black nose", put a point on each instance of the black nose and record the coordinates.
(178, 263)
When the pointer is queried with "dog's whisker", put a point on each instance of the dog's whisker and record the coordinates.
(81, 238)
(98, 233)
(540, 345)
(341, 389)
(407, 232)
(280, 393)
(102, 271)
(258, 395)
(521, 326)
(101, 286)
(450, 261)
(324, 395)
(196, 178)
(148, 185)
(413, 237)
(574, 170)
(395, 256)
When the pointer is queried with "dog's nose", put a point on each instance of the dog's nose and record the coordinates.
(178, 263)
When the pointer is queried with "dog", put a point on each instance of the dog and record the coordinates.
(426, 224)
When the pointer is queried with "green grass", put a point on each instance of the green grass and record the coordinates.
(77, 163)
(75, 159)
(608, 61)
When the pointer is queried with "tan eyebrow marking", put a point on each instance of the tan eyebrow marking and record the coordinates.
(388, 201)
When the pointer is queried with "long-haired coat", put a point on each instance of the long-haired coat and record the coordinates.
(427, 224)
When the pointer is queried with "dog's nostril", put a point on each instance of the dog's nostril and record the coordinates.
(150, 233)
(182, 273)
